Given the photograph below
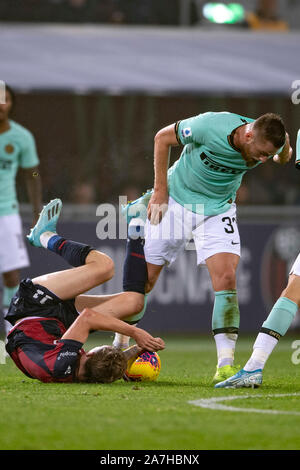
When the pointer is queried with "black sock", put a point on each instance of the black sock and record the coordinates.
(135, 273)
(73, 252)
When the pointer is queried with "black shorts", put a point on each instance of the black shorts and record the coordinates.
(33, 300)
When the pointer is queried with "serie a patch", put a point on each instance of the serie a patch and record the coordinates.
(186, 132)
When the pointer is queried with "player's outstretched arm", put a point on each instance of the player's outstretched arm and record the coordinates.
(34, 190)
(89, 320)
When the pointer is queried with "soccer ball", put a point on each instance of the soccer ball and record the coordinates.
(145, 368)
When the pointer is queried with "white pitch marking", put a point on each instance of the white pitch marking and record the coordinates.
(212, 403)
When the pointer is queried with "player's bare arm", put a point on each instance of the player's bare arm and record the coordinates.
(34, 190)
(133, 352)
(286, 154)
(163, 141)
(89, 320)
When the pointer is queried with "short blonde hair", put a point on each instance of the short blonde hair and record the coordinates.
(105, 366)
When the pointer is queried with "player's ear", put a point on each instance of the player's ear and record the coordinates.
(249, 135)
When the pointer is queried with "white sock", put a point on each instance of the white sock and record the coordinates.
(225, 343)
(262, 349)
(7, 327)
(45, 237)
(121, 341)
(6, 324)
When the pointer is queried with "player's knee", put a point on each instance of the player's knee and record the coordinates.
(150, 282)
(149, 286)
(87, 318)
(84, 318)
(106, 267)
(224, 280)
(292, 294)
(11, 278)
(134, 301)
(153, 274)
(110, 268)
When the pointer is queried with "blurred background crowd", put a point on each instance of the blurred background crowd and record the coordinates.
(259, 13)
(105, 164)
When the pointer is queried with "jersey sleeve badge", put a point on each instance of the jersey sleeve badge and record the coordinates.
(186, 132)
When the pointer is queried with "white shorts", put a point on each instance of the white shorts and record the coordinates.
(295, 269)
(211, 235)
(13, 253)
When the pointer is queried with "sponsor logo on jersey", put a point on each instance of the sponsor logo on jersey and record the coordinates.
(68, 370)
(5, 164)
(216, 166)
(66, 354)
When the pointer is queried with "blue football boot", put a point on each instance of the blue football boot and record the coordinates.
(46, 222)
(137, 208)
(242, 379)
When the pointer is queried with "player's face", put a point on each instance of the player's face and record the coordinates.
(80, 373)
(258, 150)
(6, 107)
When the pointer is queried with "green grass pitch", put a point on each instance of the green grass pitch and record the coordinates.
(158, 415)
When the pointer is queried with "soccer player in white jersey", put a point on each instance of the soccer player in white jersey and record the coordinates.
(199, 191)
(17, 151)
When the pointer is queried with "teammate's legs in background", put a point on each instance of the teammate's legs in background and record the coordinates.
(10, 287)
(276, 325)
(13, 257)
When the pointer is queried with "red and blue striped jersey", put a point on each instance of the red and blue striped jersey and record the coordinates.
(36, 347)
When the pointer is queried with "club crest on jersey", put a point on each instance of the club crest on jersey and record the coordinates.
(9, 148)
(186, 132)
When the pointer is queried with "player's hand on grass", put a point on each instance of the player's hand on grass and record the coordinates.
(158, 206)
(286, 154)
(147, 342)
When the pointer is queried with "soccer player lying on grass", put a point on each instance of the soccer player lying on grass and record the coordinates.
(52, 318)
(275, 326)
